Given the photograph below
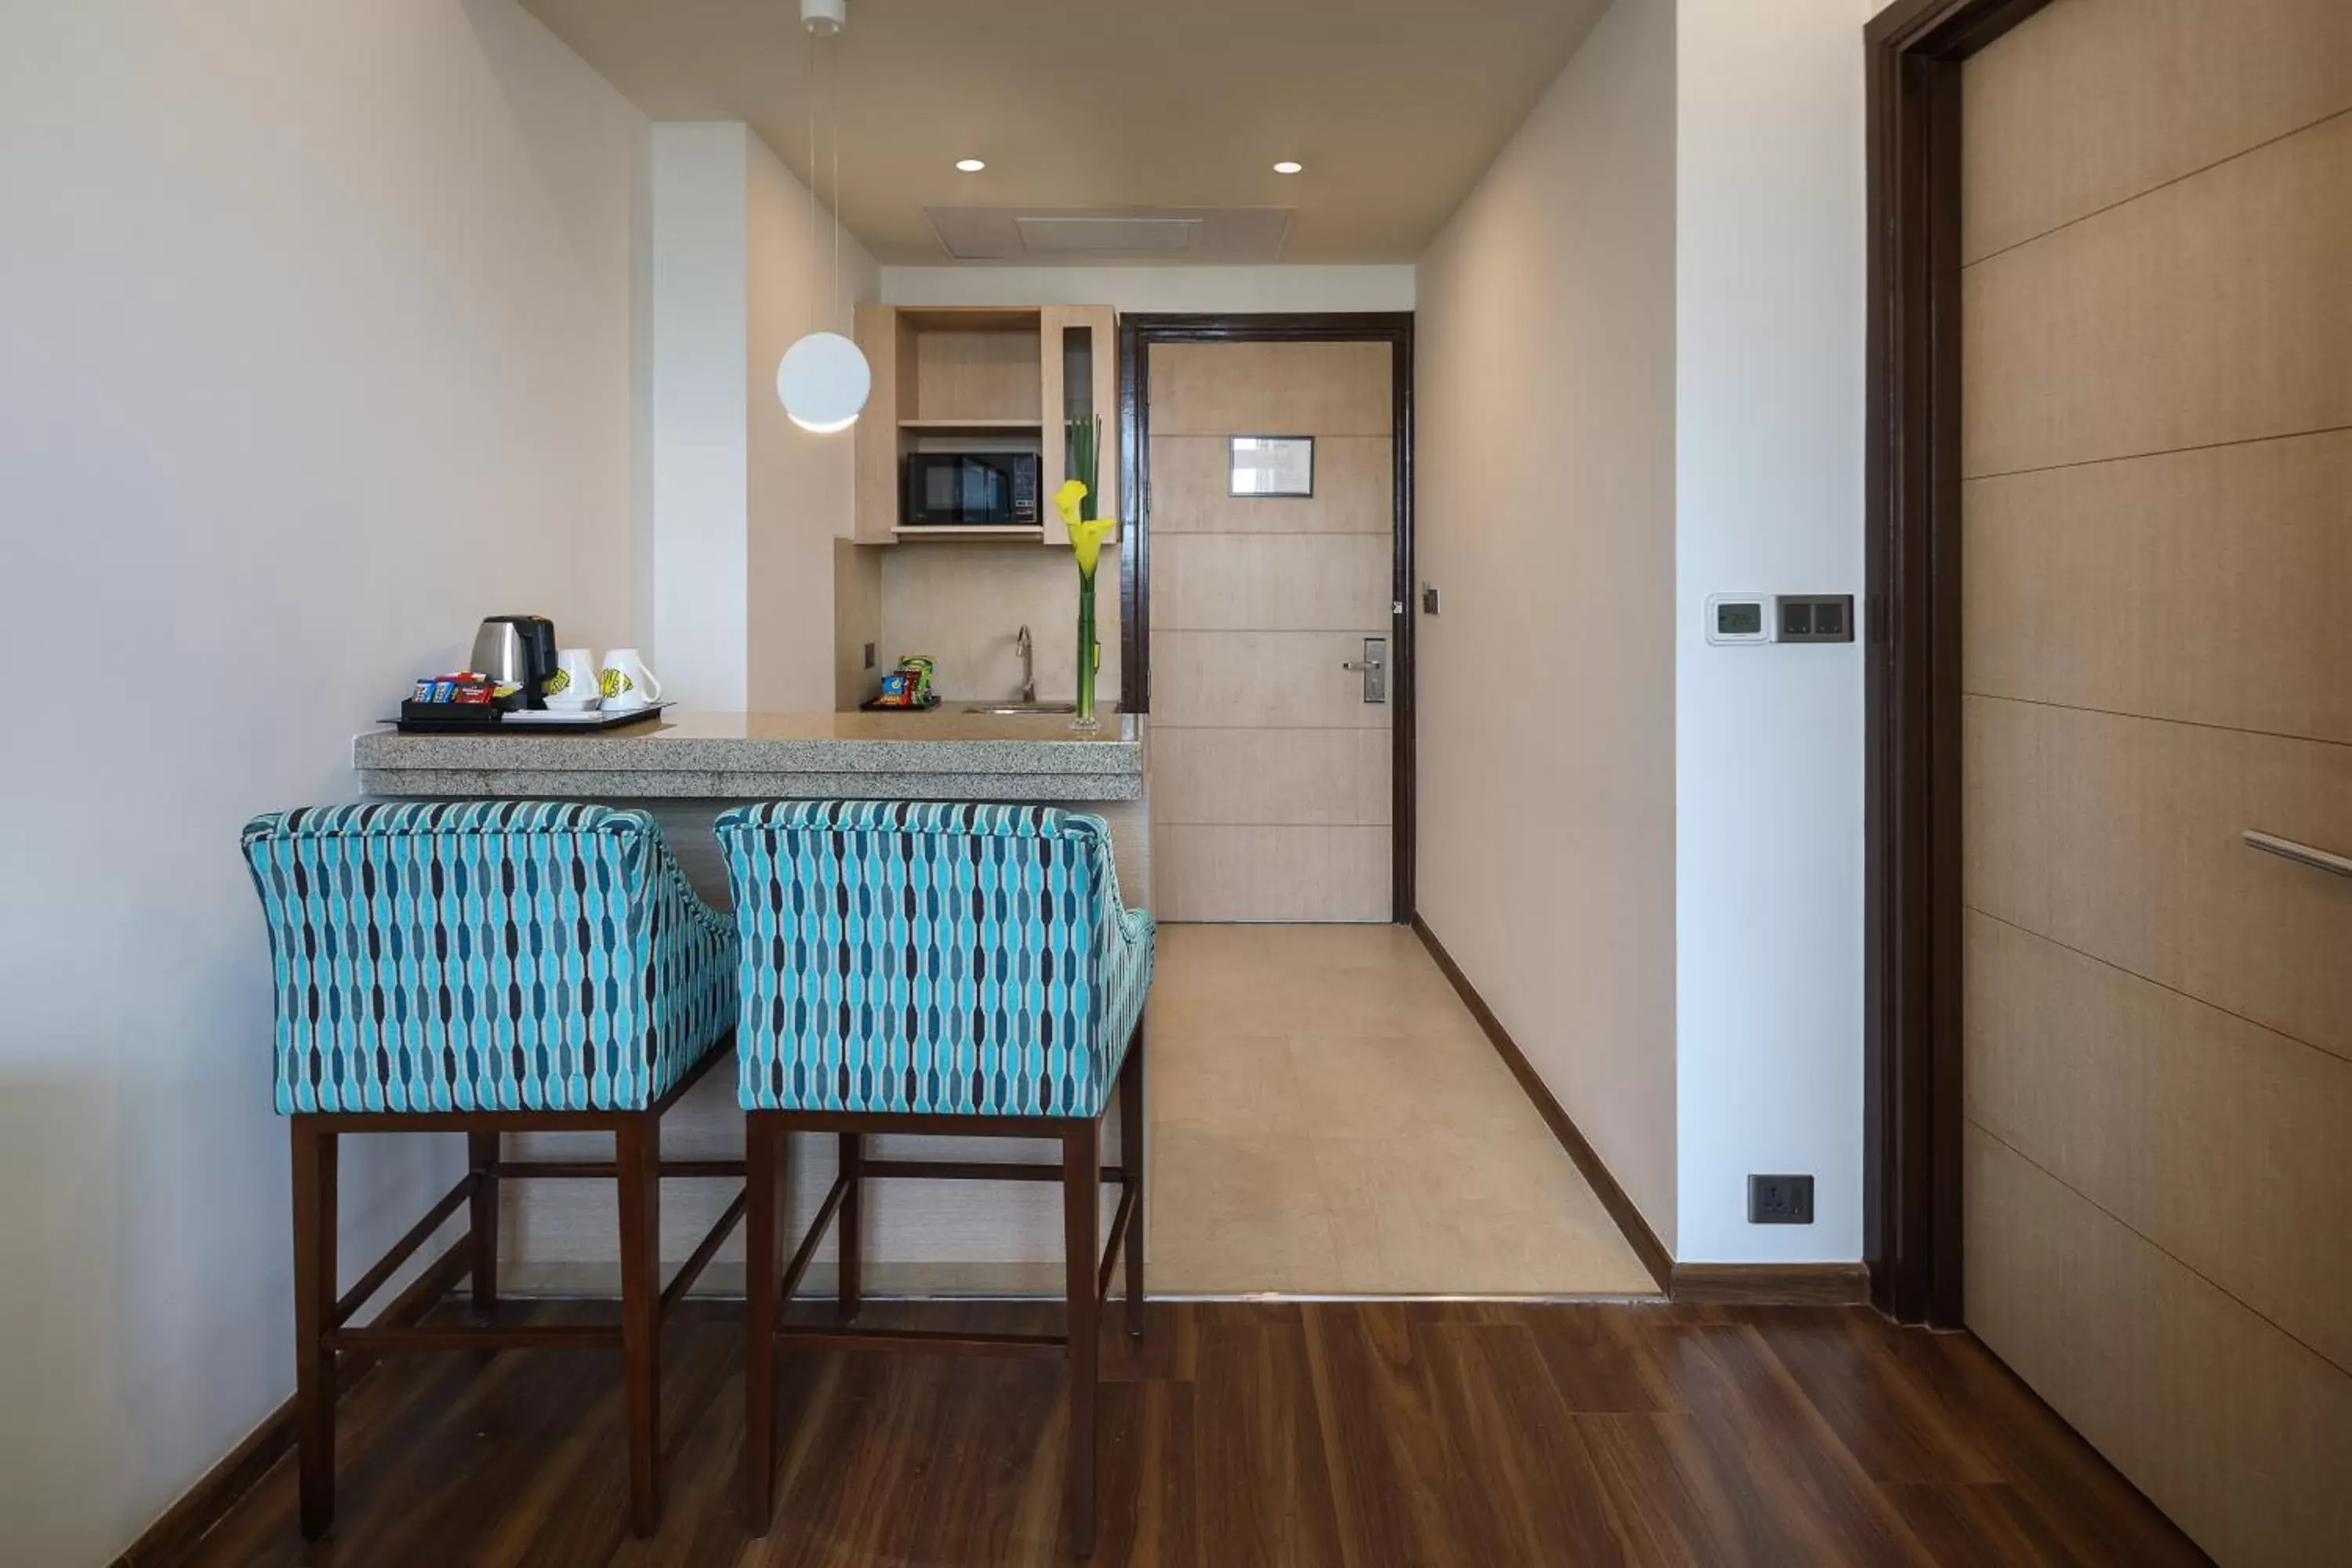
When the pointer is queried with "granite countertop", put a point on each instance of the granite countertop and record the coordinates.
(938, 754)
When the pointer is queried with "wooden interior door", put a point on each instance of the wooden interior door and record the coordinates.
(2156, 561)
(1270, 768)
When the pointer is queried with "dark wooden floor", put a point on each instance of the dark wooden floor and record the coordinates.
(1351, 1435)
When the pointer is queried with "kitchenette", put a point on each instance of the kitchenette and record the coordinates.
(959, 607)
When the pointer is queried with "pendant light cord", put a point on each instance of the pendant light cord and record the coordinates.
(816, 313)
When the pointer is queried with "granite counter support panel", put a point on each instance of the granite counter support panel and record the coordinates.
(556, 784)
(763, 756)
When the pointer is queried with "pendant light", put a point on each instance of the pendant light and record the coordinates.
(824, 379)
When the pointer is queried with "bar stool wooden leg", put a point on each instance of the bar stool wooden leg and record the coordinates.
(1131, 1135)
(853, 1244)
(763, 1213)
(1081, 1195)
(638, 1161)
(314, 1151)
(482, 1155)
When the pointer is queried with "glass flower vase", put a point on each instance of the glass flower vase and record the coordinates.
(1089, 656)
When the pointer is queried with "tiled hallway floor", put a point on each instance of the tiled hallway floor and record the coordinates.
(1327, 1119)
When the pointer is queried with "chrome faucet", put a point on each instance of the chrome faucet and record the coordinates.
(1027, 649)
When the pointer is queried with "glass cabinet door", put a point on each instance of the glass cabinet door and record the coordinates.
(1080, 348)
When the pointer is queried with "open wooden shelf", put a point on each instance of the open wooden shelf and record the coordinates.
(993, 378)
(1027, 533)
(970, 424)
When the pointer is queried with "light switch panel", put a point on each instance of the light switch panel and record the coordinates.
(1814, 617)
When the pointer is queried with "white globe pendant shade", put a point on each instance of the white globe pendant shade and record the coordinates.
(823, 381)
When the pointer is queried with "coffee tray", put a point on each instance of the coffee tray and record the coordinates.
(477, 718)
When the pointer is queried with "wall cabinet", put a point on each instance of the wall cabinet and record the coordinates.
(987, 378)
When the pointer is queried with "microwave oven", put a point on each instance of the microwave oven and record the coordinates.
(970, 490)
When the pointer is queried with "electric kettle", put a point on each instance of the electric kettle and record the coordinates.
(516, 650)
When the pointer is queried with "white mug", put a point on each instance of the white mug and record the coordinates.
(570, 687)
(626, 681)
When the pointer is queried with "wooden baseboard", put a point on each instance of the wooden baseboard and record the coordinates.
(1771, 1284)
(1638, 1234)
(176, 1531)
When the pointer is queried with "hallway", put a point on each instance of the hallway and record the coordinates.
(1327, 1119)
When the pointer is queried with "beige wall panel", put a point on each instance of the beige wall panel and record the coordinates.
(2119, 838)
(1354, 482)
(2094, 101)
(1292, 777)
(1271, 873)
(1273, 582)
(2220, 1140)
(2231, 1426)
(2210, 310)
(2205, 585)
(1276, 679)
(1274, 389)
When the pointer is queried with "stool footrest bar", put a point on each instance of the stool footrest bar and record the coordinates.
(976, 1171)
(692, 1269)
(945, 1343)
(1120, 1221)
(471, 1336)
(402, 1250)
(807, 1249)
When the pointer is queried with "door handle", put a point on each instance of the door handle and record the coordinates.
(1375, 668)
(2302, 854)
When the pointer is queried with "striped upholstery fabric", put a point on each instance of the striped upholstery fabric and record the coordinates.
(485, 956)
(968, 959)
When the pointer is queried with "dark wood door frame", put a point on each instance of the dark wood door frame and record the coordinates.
(1912, 1089)
(1136, 335)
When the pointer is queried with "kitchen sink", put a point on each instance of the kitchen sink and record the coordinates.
(1014, 709)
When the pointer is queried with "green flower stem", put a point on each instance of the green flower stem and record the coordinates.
(1089, 652)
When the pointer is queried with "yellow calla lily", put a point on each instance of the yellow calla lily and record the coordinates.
(1087, 534)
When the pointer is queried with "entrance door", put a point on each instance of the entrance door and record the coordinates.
(1270, 741)
(2156, 556)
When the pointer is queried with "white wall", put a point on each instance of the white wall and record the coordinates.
(701, 420)
(319, 349)
(1545, 498)
(746, 503)
(1223, 289)
(1767, 898)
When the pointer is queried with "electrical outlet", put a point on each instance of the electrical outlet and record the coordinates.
(1780, 1200)
(869, 655)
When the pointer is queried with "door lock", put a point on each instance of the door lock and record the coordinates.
(1375, 666)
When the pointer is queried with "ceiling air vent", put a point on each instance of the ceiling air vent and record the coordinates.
(1100, 233)
(1225, 235)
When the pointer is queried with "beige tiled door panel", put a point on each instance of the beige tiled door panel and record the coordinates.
(1292, 777)
(1272, 582)
(2119, 838)
(2135, 93)
(1271, 873)
(1275, 679)
(1270, 389)
(2208, 586)
(2240, 1431)
(2210, 310)
(2222, 1142)
(1354, 478)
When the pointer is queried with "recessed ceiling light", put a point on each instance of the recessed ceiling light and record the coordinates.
(1288, 167)
(971, 165)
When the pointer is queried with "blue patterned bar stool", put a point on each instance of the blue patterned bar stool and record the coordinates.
(936, 969)
(487, 968)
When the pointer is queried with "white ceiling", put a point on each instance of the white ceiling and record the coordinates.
(1394, 106)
